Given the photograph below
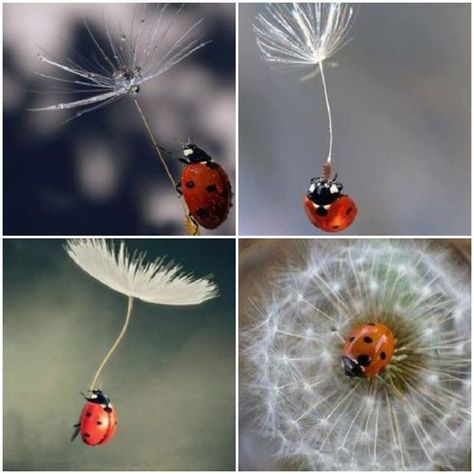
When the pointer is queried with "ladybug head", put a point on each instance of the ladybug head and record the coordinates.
(193, 154)
(323, 192)
(99, 397)
(352, 367)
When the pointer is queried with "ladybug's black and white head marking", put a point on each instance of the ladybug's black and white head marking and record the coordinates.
(323, 192)
(351, 367)
(99, 397)
(194, 154)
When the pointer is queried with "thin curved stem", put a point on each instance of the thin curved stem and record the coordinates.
(155, 144)
(115, 344)
(191, 227)
(328, 107)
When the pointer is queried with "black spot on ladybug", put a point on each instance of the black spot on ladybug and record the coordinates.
(99, 422)
(320, 211)
(190, 184)
(371, 324)
(212, 188)
(212, 165)
(363, 360)
(202, 212)
(383, 355)
(86, 435)
(336, 226)
(349, 210)
(351, 339)
(88, 413)
(367, 339)
(116, 422)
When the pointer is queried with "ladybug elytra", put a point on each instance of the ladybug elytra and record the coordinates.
(205, 187)
(98, 420)
(368, 350)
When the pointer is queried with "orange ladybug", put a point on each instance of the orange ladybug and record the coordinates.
(325, 206)
(368, 350)
(98, 421)
(206, 188)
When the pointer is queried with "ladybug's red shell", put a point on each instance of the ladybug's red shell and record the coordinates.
(98, 423)
(369, 349)
(340, 214)
(207, 193)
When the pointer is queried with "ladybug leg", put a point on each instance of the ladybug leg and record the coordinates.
(196, 225)
(179, 188)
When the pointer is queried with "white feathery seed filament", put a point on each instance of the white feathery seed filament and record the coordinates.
(130, 274)
(126, 60)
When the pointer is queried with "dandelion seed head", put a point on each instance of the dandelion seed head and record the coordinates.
(155, 282)
(415, 415)
(121, 59)
(302, 33)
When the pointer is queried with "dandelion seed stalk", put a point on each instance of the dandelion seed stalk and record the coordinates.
(114, 345)
(155, 144)
(328, 107)
(191, 227)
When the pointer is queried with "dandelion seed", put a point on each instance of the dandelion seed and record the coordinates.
(415, 415)
(119, 68)
(305, 34)
(154, 282)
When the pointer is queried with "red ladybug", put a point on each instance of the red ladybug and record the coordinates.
(206, 188)
(98, 421)
(326, 207)
(368, 350)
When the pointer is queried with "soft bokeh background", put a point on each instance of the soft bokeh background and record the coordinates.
(172, 379)
(258, 259)
(400, 98)
(99, 174)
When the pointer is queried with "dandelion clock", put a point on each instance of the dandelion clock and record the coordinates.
(357, 356)
(155, 282)
(307, 35)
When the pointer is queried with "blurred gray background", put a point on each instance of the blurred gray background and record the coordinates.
(172, 379)
(400, 98)
(99, 174)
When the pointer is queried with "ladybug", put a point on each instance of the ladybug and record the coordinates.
(206, 188)
(325, 206)
(368, 350)
(98, 421)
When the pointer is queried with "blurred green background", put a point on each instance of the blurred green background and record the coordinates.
(172, 380)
